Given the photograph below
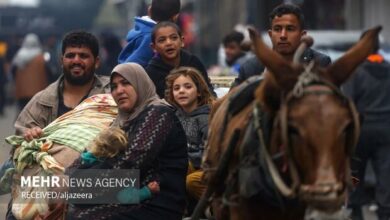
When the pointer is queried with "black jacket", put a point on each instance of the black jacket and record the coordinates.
(369, 88)
(158, 70)
(254, 67)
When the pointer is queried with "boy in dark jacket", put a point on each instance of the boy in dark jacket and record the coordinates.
(139, 38)
(286, 30)
(167, 42)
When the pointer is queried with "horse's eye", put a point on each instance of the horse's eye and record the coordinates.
(292, 130)
(347, 128)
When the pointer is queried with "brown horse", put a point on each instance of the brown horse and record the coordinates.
(303, 159)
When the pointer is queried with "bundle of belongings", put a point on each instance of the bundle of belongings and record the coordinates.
(61, 144)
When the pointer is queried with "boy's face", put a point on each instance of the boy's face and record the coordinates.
(167, 43)
(286, 34)
(232, 51)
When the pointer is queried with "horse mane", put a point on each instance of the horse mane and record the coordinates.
(216, 104)
(268, 94)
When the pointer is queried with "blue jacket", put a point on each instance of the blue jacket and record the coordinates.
(138, 48)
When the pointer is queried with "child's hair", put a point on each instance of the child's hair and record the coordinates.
(164, 10)
(165, 24)
(233, 36)
(109, 143)
(205, 96)
(81, 38)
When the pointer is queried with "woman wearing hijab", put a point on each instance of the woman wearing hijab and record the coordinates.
(28, 68)
(157, 148)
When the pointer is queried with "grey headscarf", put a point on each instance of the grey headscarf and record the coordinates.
(31, 47)
(143, 86)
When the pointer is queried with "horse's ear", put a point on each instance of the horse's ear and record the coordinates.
(340, 71)
(284, 72)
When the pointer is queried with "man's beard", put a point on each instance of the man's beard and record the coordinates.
(78, 80)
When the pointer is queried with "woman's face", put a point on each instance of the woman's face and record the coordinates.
(185, 93)
(123, 93)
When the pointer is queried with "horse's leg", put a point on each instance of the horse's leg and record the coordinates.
(219, 212)
(253, 210)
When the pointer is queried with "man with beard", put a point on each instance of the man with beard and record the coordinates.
(79, 60)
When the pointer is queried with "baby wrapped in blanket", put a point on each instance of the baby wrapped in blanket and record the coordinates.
(62, 142)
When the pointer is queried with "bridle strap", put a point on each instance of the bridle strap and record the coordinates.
(356, 127)
(306, 79)
(284, 189)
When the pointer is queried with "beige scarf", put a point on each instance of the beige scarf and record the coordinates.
(144, 87)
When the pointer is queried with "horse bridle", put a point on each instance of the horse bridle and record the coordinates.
(306, 79)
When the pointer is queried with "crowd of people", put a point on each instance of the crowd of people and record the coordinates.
(164, 96)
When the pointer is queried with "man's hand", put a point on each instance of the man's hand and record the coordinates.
(32, 133)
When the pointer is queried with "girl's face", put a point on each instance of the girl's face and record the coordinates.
(167, 43)
(185, 93)
(123, 93)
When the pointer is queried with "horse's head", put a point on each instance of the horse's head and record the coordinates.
(318, 129)
(314, 123)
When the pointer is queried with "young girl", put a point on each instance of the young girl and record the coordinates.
(108, 144)
(167, 43)
(188, 92)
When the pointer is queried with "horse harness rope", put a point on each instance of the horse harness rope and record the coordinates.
(306, 79)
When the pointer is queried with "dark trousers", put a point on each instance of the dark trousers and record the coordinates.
(374, 145)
